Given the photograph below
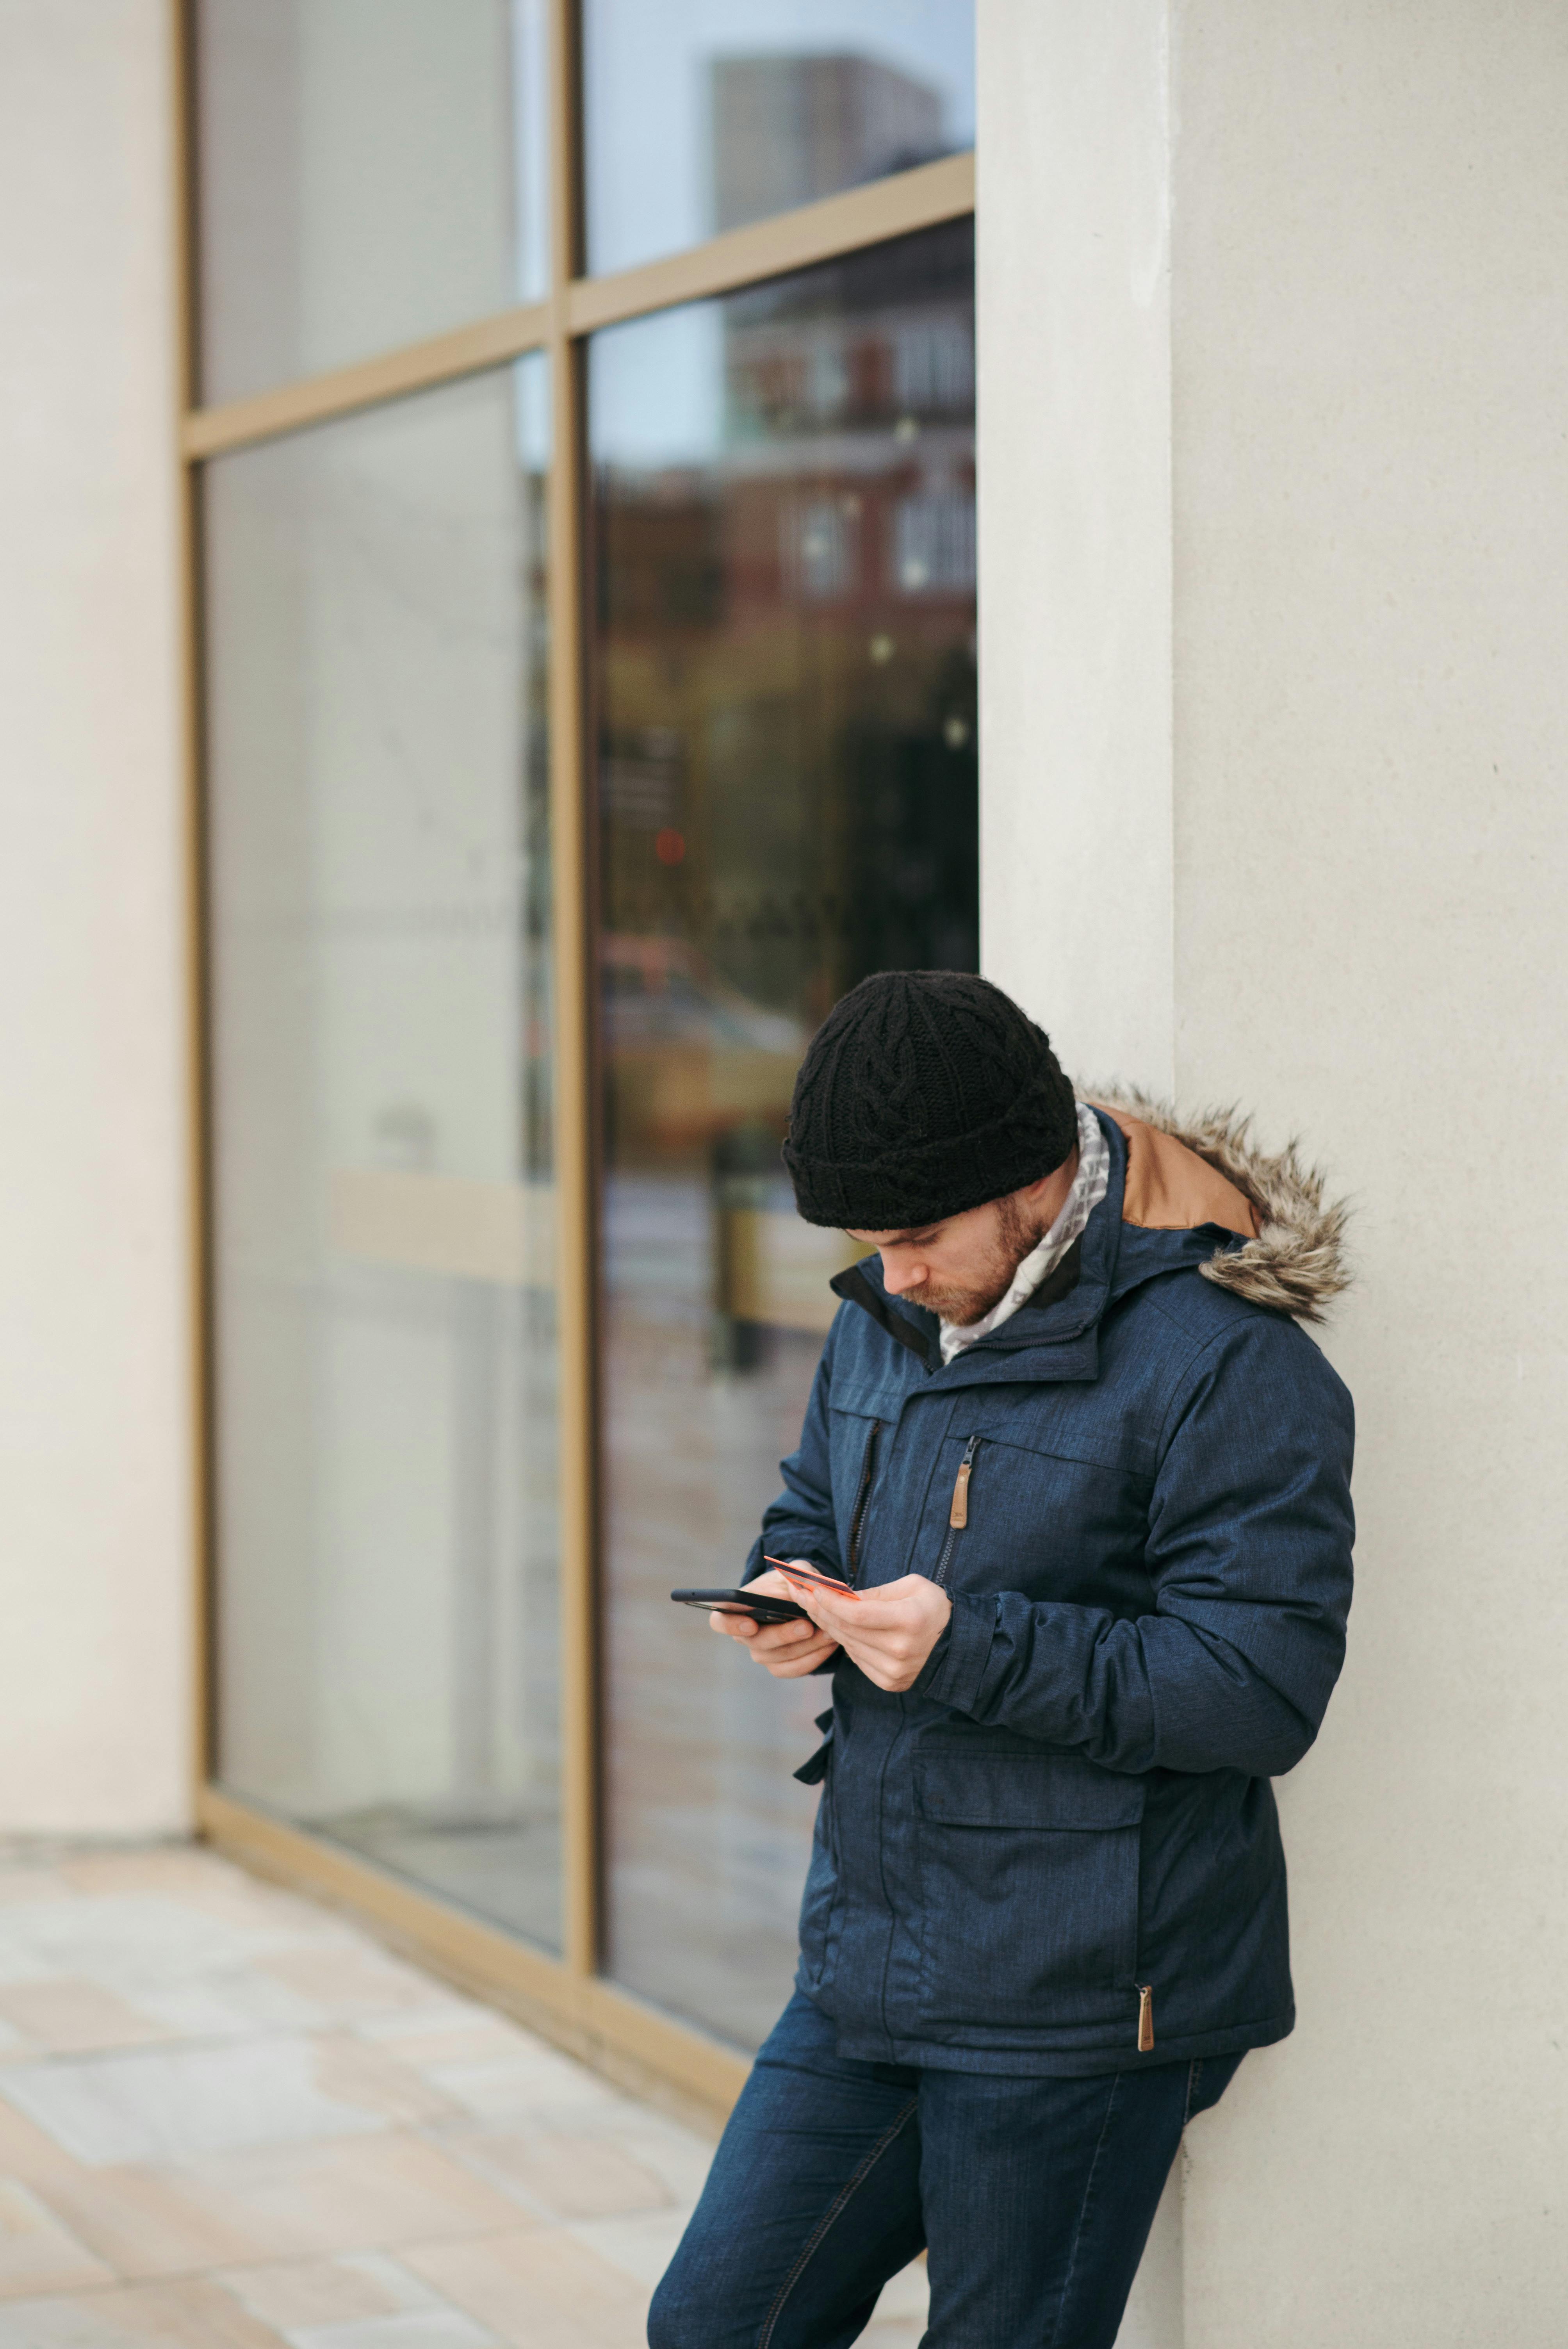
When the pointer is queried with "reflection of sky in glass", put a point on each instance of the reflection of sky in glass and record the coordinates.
(658, 388)
(646, 93)
(531, 397)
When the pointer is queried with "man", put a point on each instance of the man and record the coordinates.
(1088, 1483)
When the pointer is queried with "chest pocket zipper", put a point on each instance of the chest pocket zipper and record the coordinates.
(959, 1513)
(868, 1470)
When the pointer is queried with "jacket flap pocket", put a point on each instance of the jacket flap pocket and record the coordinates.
(1016, 1790)
(866, 1398)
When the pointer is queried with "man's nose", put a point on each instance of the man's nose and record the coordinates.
(896, 1279)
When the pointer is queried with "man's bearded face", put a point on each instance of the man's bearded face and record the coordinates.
(982, 1260)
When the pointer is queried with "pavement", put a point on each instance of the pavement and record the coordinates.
(230, 2119)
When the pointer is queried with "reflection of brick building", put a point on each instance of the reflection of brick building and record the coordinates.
(862, 523)
(846, 476)
(788, 129)
(788, 681)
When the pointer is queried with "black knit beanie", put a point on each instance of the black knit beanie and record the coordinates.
(923, 1092)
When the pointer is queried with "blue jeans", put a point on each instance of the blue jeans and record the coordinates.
(1034, 2198)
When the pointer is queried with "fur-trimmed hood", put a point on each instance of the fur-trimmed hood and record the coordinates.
(1292, 1257)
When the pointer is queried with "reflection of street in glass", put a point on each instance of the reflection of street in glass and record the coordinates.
(385, 1214)
(708, 1830)
(785, 688)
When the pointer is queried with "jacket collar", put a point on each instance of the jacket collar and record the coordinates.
(909, 1325)
(1053, 1335)
(1053, 1324)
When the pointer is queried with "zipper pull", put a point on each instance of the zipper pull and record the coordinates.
(958, 1515)
(1145, 2017)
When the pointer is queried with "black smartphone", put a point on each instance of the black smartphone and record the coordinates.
(755, 1603)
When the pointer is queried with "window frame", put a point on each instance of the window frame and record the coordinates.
(569, 1998)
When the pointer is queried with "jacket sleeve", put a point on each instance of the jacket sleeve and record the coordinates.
(801, 1522)
(1250, 1531)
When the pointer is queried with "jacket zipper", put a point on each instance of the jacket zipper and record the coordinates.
(868, 1468)
(958, 1511)
(1145, 2017)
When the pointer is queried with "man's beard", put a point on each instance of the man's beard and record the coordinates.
(1016, 1237)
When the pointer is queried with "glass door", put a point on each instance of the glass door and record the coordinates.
(384, 1357)
(783, 552)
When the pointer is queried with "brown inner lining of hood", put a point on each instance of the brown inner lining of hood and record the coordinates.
(1170, 1189)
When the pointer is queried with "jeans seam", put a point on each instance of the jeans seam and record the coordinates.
(1194, 2074)
(1083, 2211)
(838, 2204)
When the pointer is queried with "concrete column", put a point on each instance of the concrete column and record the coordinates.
(1366, 833)
(1073, 319)
(1371, 379)
(1074, 346)
(95, 1400)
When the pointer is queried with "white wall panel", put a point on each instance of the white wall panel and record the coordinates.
(95, 1417)
(1371, 498)
(1363, 836)
(1073, 293)
(1072, 273)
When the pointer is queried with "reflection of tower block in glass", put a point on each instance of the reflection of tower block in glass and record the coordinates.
(787, 130)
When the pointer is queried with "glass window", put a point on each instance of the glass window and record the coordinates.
(384, 1306)
(370, 171)
(702, 115)
(783, 518)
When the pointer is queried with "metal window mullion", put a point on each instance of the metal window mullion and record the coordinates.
(894, 207)
(573, 1075)
(364, 383)
(565, 1997)
(202, 1747)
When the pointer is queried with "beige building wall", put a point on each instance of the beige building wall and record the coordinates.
(1367, 738)
(95, 1418)
(1275, 523)
(1073, 328)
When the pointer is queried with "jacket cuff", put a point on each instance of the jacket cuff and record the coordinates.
(956, 1667)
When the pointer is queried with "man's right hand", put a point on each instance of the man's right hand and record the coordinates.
(787, 1651)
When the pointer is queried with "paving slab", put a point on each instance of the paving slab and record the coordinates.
(228, 2119)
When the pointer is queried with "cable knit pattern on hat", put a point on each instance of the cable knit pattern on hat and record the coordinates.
(923, 1094)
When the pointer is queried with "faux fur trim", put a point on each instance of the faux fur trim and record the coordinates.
(1297, 1263)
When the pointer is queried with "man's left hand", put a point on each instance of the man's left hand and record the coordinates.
(889, 1630)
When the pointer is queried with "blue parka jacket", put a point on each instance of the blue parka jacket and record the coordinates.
(1058, 1852)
